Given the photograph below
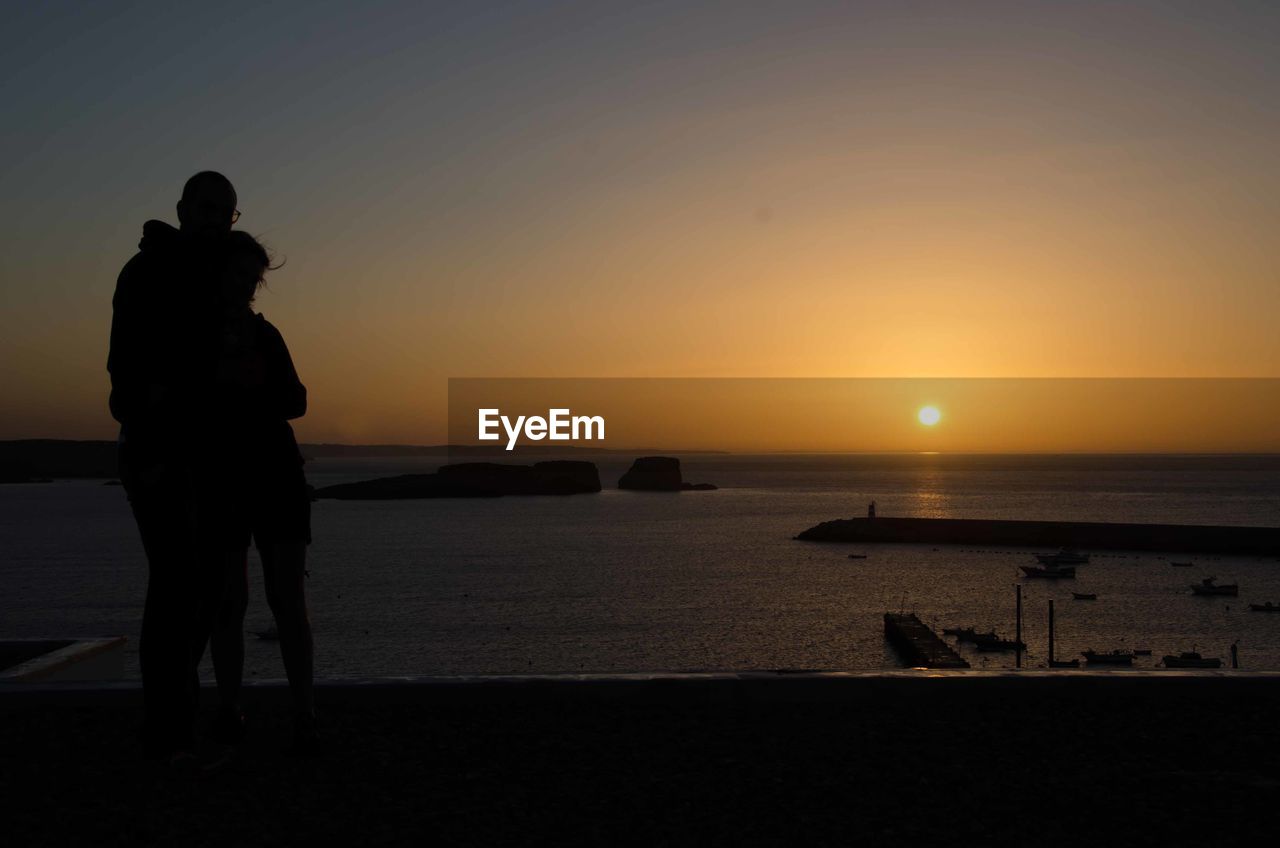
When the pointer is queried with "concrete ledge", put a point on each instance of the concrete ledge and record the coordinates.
(665, 687)
(751, 758)
(96, 658)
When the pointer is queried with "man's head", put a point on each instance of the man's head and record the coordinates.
(208, 205)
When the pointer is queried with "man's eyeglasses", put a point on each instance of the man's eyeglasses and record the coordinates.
(235, 216)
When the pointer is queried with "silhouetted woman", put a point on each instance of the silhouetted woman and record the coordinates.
(258, 489)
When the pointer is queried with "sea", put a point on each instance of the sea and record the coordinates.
(625, 581)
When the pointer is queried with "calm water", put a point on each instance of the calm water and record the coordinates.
(628, 581)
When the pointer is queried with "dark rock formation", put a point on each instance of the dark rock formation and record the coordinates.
(402, 487)
(38, 460)
(658, 474)
(653, 474)
(564, 477)
(475, 480)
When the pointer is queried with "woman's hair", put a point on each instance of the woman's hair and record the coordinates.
(242, 246)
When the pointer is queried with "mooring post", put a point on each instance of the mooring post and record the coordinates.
(1017, 656)
(1235, 654)
(1051, 633)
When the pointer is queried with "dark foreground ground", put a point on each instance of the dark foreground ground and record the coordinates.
(1118, 760)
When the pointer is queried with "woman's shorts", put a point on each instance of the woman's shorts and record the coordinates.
(270, 508)
(283, 513)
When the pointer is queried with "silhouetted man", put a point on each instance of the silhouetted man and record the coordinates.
(161, 351)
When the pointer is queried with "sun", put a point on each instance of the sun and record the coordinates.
(929, 415)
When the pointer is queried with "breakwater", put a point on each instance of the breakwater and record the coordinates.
(919, 645)
(1188, 538)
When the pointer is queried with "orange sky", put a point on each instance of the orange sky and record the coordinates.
(837, 415)
(869, 190)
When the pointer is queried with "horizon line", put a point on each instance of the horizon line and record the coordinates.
(545, 449)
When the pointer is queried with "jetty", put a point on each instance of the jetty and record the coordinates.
(918, 645)
(1049, 534)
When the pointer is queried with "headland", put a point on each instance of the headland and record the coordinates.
(1190, 538)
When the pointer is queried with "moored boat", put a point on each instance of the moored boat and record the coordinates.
(975, 638)
(998, 644)
(1180, 564)
(1207, 586)
(1050, 572)
(1116, 657)
(1065, 556)
(1084, 596)
(1267, 607)
(1191, 659)
(969, 634)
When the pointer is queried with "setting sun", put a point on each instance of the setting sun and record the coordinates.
(929, 415)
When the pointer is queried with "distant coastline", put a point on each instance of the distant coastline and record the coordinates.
(34, 460)
(30, 460)
(331, 450)
(1263, 541)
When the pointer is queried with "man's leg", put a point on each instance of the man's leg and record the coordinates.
(226, 646)
(171, 604)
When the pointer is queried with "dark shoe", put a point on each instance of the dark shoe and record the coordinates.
(182, 762)
(156, 750)
(228, 726)
(306, 736)
(163, 747)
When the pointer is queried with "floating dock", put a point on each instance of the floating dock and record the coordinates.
(919, 646)
(1189, 538)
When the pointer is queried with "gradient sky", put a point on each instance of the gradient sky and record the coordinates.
(1005, 415)
(897, 189)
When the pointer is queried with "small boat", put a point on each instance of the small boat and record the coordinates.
(1065, 556)
(1064, 663)
(1050, 572)
(1267, 607)
(964, 634)
(972, 636)
(1180, 564)
(1207, 586)
(857, 556)
(1190, 659)
(1116, 657)
(997, 644)
(1084, 596)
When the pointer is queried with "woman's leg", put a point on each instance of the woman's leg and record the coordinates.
(284, 570)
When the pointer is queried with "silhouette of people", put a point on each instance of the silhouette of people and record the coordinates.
(871, 510)
(258, 491)
(162, 332)
(203, 389)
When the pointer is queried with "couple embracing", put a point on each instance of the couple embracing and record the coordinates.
(204, 389)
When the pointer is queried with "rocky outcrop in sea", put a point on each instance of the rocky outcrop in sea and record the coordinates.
(476, 480)
(659, 474)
